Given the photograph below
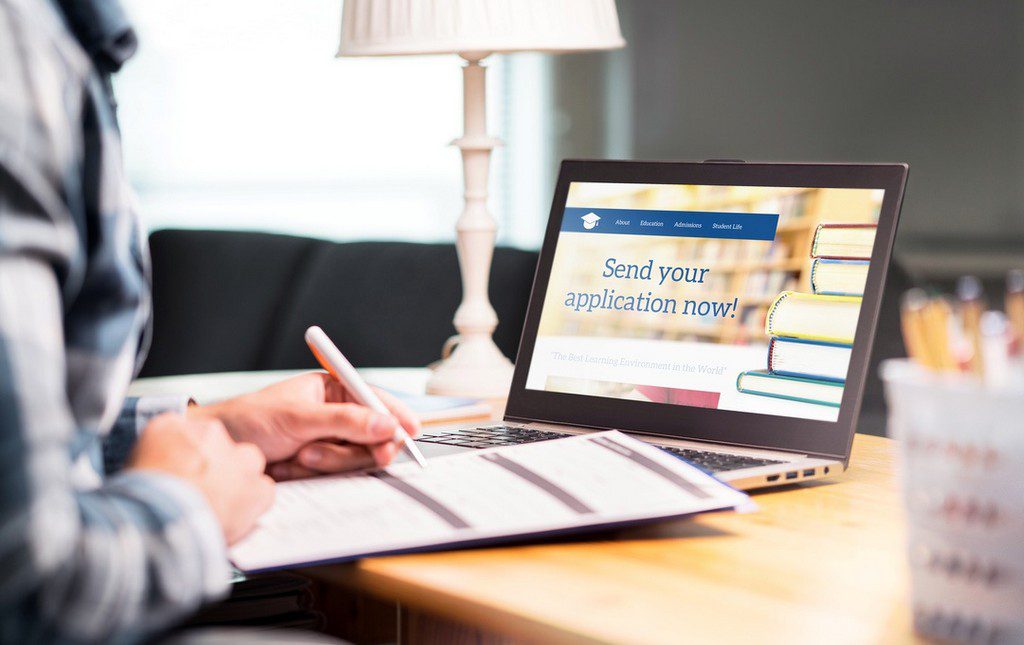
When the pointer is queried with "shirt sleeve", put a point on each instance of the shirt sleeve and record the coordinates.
(99, 561)
(136, 413)
(128, 556)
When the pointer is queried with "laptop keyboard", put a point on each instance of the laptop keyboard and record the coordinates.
(492, 436)
(718, 461)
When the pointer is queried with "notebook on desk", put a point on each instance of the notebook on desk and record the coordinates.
(440, 409)
(579, 483)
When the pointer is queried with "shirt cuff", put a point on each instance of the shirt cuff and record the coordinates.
(135, 414)
(196, 556)
(148, 407)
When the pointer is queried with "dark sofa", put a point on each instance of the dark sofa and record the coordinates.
(229, 301)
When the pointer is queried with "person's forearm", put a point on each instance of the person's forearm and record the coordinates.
(120, 562)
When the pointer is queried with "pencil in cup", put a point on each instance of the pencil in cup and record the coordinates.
(971, 306)
(964, 338)
(1015, 308)
(915, 326)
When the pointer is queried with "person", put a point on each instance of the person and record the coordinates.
(116, 512)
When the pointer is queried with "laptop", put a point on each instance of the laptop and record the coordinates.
(723, 311)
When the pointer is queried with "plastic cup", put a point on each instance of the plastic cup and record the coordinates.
(961, 450)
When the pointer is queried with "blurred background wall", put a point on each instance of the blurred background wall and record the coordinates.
(938, 84)
(225, 129)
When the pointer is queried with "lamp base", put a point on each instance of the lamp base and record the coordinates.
(476, 368)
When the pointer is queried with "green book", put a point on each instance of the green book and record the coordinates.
(791, 388)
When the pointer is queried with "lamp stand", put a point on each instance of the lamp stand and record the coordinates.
(475, 367)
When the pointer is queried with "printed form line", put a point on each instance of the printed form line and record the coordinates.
(439, 509)
(539, 481)
(651, 465)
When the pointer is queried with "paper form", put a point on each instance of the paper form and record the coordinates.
(576, 482)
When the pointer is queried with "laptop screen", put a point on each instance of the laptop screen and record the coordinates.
(742, 298)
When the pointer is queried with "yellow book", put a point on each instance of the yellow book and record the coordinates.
(831, 319)
(843, 241)
(839, 277)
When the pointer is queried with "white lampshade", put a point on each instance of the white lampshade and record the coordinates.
(403, 27)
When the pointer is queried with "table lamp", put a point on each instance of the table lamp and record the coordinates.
(472, 364)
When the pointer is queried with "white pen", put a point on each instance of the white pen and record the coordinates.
(332, 360)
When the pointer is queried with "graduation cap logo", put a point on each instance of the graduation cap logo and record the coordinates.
(590, 220)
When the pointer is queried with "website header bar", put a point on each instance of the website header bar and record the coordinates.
(622, 221)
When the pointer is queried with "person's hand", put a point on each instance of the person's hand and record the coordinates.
(228, 474)
(308, 425)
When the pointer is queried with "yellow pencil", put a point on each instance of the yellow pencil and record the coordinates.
(936, 315)
(913, 326)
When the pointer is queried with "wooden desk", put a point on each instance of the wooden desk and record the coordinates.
(816, 562)
(822, 561)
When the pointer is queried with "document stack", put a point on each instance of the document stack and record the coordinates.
(279, 600)
(811, 334)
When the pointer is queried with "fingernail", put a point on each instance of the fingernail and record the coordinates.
(279, 471)
(383, 426)
(312, 456)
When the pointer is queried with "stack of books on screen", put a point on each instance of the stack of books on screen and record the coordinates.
(841, 255)
(812, 333)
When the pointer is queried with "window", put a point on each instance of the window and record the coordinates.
(236, 115)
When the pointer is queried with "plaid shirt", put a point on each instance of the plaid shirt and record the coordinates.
(86, 553)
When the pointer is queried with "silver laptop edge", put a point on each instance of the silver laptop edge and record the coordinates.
(794, 467)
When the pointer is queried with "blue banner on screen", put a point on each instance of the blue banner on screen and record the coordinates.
(622, 221)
